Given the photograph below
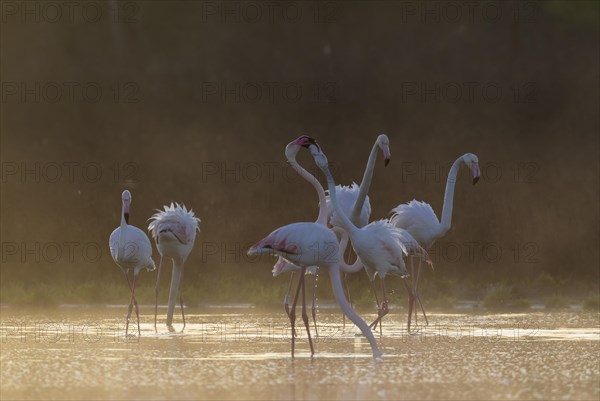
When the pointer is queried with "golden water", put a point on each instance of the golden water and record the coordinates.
(82, 353)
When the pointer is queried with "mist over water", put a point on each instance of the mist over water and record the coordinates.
(197, 108)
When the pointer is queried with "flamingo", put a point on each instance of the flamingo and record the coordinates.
(379, 245)
(130, 248)
(419, 219)
(306, 245)
(312, 244)
(282, 265)
(174, 230)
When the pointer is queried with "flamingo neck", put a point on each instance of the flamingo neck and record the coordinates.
(449, 197)
(123, 228)
(175, 288)
(345, 221)
(344, 239)
(338, 291)
(365, 184)
(322, 218)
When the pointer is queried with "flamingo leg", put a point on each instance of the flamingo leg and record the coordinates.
(180, 286)
(305, 315)
(314, 308)
(411, 300)
(131, 303)
(137, 315)
(293, 310)
(383, 309)
(384, 306)
(374, 324)
(286, 300)
(418, 297)
(347, 285)
(413, 280)
(156, 290)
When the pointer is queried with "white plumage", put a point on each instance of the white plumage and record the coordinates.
(346, 197)
(303, 244)
(419, 219)
(176, 219)
(381, 248)
(137, 253)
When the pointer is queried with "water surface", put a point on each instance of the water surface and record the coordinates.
(82, 353)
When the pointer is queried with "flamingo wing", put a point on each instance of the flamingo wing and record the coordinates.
(138, 249)
(419, 219)
(303, 244)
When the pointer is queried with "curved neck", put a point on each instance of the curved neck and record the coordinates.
(449, 196)
(365, 184)
(338, 291)
(345, 221)
(322, 219)
(344, 239)
(123, 227)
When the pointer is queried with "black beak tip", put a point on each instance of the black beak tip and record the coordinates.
(386, 162)
(475, 180)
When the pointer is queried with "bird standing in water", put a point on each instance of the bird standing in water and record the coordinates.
(174, 230)
(130, 248)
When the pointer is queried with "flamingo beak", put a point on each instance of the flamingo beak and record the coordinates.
(386, 155)
(475, 172)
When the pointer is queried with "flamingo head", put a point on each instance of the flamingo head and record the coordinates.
(303, 141)
(384, 144)
(472, 163)
(126, 197)
(320, 158)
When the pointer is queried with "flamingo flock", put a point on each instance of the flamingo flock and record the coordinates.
(174, 230)
(382, 247)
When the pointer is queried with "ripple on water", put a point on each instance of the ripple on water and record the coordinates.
(84, 355)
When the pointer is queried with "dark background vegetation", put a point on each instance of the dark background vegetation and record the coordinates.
(537, 202)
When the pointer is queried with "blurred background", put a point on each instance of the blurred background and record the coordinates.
(195, 101)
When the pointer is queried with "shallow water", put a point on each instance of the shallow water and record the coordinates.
(82, 353)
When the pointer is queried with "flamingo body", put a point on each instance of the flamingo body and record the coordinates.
(138, 250)
(419, 219)
(381, 248)
(303, 244)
